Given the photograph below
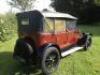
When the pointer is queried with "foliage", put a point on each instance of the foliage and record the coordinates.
(97, 2)
(86, 10)
(22, 4)
(73, 7)
(91, 15)
(7, 26)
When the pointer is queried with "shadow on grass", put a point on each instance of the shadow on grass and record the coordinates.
(10, 67)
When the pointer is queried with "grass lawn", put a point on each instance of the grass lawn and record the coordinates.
(78, 63)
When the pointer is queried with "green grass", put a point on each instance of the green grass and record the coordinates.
(78, 63)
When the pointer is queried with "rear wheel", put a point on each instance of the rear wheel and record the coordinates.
(23, 51)
(50, 60)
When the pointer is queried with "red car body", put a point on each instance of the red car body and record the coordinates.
(65, 38)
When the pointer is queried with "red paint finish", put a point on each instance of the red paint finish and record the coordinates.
(62, 39)
(45, 38)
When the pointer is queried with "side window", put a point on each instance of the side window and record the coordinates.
(67, 24)
(71, 24)
(59, 25)
(49, 25)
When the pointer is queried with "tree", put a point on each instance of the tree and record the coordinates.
(22, 4)
(97, 2)
(73, 7)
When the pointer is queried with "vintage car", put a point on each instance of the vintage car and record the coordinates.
(45, 37)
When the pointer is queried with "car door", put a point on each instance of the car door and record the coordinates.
(61, 33)
(48, 35)
(71, 30)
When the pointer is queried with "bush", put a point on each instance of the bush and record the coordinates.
(90, 15)
(8, 26)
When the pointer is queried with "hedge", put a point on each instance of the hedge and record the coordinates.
(8, 26)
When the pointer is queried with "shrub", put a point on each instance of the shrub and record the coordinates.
(8, 26)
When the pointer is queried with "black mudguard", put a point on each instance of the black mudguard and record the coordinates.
(23, 51)
(85, 36)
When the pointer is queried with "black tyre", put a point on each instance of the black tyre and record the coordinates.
(88, 43)
(50, 60)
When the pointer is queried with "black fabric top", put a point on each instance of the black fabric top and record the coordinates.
(30, 21)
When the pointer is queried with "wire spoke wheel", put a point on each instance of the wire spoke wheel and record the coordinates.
(88, 43)
(50, 60)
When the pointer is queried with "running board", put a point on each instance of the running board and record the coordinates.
(72, 50)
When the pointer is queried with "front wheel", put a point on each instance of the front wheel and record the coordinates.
(50, 60)
(88, 43)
